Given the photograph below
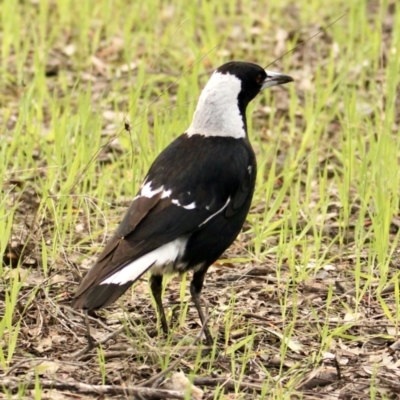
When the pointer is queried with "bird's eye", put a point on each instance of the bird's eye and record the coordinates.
(259, 79)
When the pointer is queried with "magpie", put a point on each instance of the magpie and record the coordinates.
(194, 200)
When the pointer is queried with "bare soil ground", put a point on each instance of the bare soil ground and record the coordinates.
(263, 343)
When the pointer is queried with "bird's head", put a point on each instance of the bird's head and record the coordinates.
(252, 78)
(221, 110)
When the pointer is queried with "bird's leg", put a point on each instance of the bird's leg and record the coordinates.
(156, 289)
(89, 337)
(195, 289)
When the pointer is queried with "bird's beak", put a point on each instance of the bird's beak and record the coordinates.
(275, 78)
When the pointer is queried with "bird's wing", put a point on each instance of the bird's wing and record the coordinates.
(149, 224)
(169, 205)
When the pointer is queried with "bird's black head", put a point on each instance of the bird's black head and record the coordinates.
(221, 110)
(253, 79)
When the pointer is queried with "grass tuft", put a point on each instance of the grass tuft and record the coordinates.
(306, 302)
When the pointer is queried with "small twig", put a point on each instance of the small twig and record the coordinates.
(230, 384)
(79, 313)
(393, 384)
(32, 361)
(95, 344)
(177, 361)
(15, 366)
(255, 316)
(139, 354)
(57, 311)
(78, 354)
(256, 276)
(110, 335)
(358, 324)
(73, 386)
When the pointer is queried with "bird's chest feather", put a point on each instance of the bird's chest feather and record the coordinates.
(203, 172)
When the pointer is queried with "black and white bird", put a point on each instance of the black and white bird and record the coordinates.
(193, 201)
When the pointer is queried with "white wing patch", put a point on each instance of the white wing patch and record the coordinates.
(147, 191)
(166, 193)
(219, 211)
(190, 206)
(157, 260)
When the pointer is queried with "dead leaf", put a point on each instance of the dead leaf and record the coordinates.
(178, 381)
(69, 50)
(47, 368)
(44, 344)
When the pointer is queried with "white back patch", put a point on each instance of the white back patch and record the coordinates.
(156, 259)
(147, 191)
(217, 112)
(166, 193)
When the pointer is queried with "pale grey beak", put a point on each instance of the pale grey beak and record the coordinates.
(275, 78)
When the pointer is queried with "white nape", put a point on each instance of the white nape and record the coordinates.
(217, 112)
(158, 260)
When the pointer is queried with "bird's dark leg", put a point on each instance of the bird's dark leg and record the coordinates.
(156, 289)
(195, 290)
(88, 335)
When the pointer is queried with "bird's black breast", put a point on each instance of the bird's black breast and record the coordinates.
(210, 173)
(204, 170)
